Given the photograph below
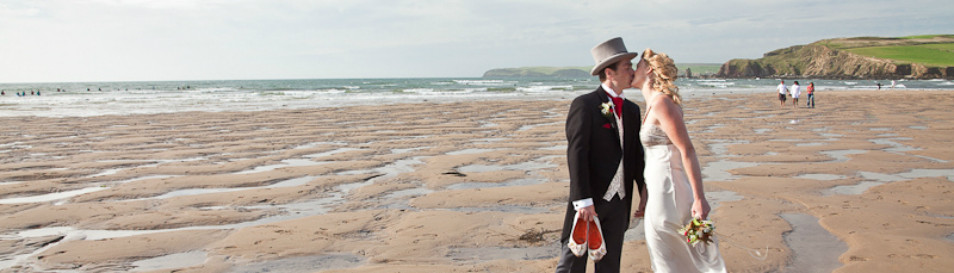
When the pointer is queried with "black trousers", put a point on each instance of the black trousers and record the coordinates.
(614, 218)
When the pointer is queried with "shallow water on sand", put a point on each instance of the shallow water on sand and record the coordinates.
(842, 155)
(815, 249)
(477, 255)
(178, 260)
(718, 170)
(302, 264)
(875, 179)
(821, 176)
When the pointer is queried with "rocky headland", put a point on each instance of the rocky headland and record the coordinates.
(837, 59)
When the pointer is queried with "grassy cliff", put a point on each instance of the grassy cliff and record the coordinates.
(917, 57)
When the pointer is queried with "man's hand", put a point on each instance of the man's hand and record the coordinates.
(587, 213)
(641, 209)
(639, 213)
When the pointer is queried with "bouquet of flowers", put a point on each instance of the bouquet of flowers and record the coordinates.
(698, 231)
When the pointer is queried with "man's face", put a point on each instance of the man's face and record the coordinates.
(623, 73)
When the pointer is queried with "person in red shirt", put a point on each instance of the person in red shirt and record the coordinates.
(811, 94)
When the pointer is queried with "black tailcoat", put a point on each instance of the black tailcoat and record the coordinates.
(593, 154)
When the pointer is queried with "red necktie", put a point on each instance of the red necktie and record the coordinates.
(618, 106)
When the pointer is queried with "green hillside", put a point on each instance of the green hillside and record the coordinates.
(930, 50)
(928, 36)
(699, 68)
(915, 57)
(927, 54)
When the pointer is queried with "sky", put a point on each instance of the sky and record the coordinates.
(158, 40)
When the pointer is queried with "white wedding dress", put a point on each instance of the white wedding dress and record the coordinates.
(668, 209)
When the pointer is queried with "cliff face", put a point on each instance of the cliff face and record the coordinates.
(822, 61)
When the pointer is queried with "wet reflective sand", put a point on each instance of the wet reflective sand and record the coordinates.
(418, 188)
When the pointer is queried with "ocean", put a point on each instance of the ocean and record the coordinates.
(126, 98)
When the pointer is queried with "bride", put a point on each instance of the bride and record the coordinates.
(673, 175)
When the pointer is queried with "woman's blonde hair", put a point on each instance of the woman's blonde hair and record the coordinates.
(664, 74)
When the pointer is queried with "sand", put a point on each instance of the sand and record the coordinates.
(863, 183)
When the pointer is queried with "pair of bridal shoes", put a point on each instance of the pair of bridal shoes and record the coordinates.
(587, 237)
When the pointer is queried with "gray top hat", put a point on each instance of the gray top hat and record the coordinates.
(610, 52)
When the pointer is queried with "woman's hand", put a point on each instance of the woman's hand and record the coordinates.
(700, 208)
(641, 210)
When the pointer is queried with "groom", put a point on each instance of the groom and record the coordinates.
(602, 167)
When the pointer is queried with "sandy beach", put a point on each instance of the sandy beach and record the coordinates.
(862, 183)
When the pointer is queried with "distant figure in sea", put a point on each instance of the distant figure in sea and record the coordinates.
(796, 92)
(811, 95)
(782, 91)
(879, 86)
(893, 83)
(3, 93)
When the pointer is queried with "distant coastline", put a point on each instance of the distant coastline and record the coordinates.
(921, 57)
(704, 70)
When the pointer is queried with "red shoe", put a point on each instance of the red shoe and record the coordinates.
(578, 235)
(596, 245)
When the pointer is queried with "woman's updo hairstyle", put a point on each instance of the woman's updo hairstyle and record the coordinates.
(664, 74)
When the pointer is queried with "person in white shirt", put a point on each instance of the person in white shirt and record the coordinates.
(796, 91)
(781, 94)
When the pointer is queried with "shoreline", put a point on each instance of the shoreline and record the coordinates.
(370, 189)
(130, 98)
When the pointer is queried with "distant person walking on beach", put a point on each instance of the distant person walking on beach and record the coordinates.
(811, 95)
(782, 91)
(796, 92)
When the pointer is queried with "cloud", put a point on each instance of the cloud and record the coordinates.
(155, 4)
(17, 11)
(203, 39)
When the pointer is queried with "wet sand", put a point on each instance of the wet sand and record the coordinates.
(860, 184)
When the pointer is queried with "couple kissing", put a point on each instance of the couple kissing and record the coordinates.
(613, 152)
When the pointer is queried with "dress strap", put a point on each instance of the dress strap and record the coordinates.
(649, 106)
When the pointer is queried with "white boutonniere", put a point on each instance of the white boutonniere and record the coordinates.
(607, 109)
